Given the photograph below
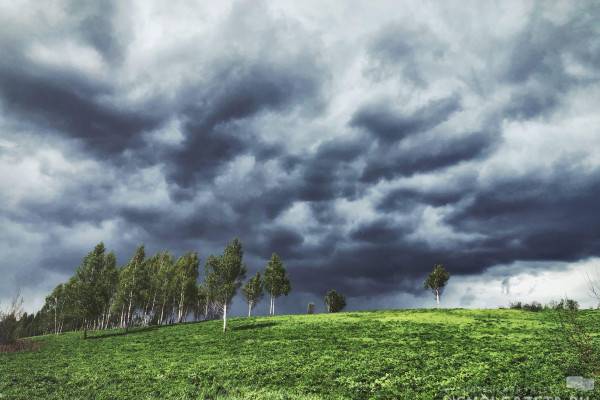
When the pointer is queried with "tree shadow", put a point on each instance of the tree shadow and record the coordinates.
(124, 333)
(254, 326)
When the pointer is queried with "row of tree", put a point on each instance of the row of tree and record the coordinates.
(158, 290)
(161, 289)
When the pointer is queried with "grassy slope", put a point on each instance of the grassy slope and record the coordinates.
(416, 354)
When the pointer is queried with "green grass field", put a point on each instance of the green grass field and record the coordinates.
(409, 354)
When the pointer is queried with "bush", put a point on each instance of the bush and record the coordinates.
(566, 304)
(533, 306)
(516, 305)
(335, 301)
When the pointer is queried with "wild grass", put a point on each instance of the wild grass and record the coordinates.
(408, 354)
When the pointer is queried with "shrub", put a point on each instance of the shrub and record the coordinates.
(533, 306)
(566, 304)
(335, 301)
(516, 305)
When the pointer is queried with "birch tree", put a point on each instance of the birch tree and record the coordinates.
(253, 291)
(276, 281)
(54, 304)
(186, 272)
(224, 275)
(335, 301)
(166, 285)
(88, 284)
(129, 286)
(436, 281)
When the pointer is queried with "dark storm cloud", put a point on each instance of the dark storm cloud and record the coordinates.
(430, 154)
(215, 130)
(539, 58)
(406, 199)
(390, 126)
(276, 134)
(328, 174)
(556, 222)
(69, 105)
(287, 242)
(380, 231)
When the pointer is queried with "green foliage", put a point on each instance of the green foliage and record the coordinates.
(534, 306)
(90, 285)
(437, 280)
(566, 304)
(408, 354)
(145, 291)
(276, 281)
(335, 301)
(9, 321)
(253, 291)
(224, 275)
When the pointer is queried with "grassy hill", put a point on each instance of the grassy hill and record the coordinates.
(409, 354)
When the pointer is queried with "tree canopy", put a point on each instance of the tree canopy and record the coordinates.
(436, 281)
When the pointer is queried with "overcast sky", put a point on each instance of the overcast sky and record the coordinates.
(362, 141)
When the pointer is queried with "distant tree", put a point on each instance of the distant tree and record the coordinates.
(186, 276)
(224, 275)
(88, 281)
(201, 304)
(54, 305)
(335, 301)
(253, 291)
(276, 281)
(311, 308)
(109, 279)
(436, 281)
(10, 320)
(129, 286)
(166, 285)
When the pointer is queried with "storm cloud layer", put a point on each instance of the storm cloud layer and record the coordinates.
(363, 142)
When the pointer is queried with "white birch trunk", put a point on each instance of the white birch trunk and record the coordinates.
(55, 316)
(224, 317)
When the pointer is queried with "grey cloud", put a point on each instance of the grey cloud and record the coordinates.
(364, 183)
(427, 154)
(397, 48)
(389, 125)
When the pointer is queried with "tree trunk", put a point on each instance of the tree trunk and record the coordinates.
(153, 305)
(128, 319)
(122, 314)
(55, 318)
(437, 297)
(180, 311)
(108, 312)
(224, 317)
(249, 309)
(162, 313)
(273, 305)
